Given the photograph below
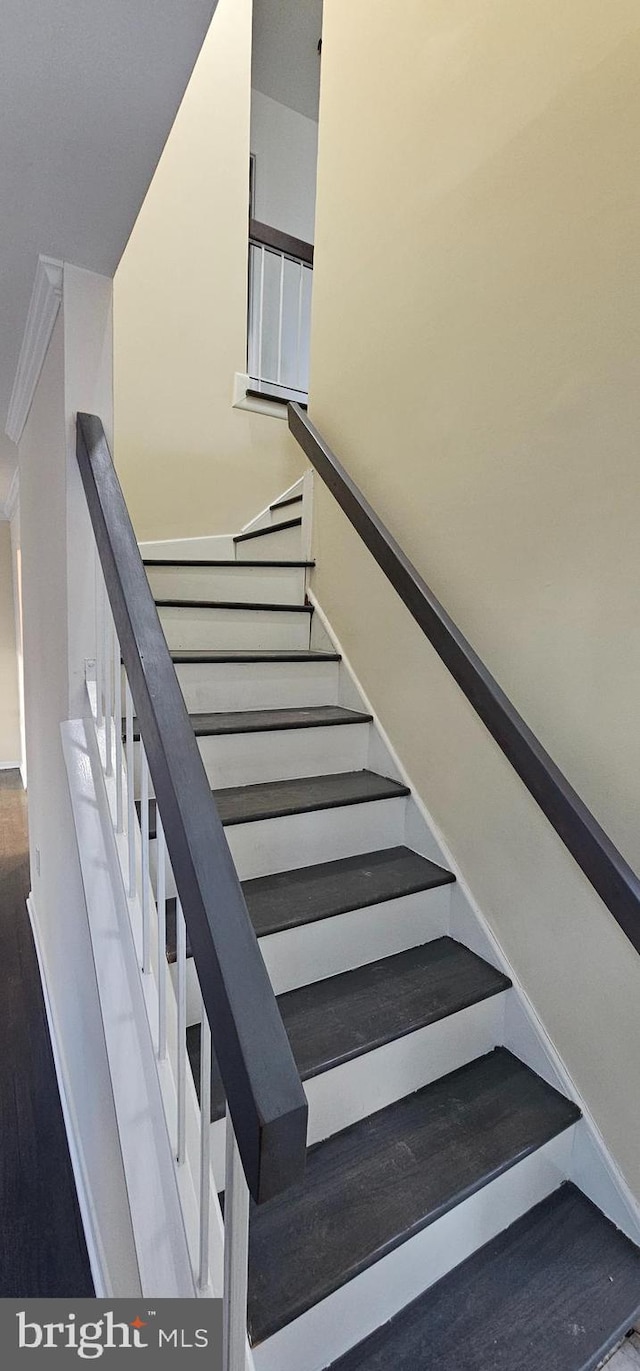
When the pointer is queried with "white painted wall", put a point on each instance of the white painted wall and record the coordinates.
(55, 580)
(285, 145)
(16, 569)
(475, 366)
(180, 296)
(9, 706)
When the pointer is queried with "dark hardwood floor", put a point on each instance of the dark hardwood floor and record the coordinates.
(42, 1246)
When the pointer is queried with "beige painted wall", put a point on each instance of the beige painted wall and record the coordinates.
(190, 464)
(475, 363)
(10, 746)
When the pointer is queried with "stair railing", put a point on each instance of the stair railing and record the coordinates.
(280, 279)
(617, 884)
(178, 848)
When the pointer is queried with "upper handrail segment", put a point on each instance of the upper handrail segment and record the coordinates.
(261, 1081)
(616, 882)
(266, 236)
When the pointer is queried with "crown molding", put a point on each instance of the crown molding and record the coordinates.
(13, 497)
(43, 310)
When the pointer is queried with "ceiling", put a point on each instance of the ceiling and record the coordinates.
(286, 64)
(88, 92)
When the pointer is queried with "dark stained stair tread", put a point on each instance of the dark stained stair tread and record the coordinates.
(289, 500)
(270, 720)
(385, 1178)
(244, 804)
(278, 799)
(555, 1292)
(264, 532)
(309, 893)
(243, 655)
(251, 605)
(204, 561)
(288, 899)
(334, 1020)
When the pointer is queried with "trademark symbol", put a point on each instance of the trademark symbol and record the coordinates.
(150, 1312)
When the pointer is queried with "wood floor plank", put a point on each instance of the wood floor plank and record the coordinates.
(42, 1246)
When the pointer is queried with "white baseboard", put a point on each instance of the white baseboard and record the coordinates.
(97, 1259)
(11, 766)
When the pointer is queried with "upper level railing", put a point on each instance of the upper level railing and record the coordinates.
(280, 279)
(265, 1098)
(605, 867)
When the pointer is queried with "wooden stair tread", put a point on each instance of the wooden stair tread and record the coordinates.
(244, 804)
(309, 893)
(555, 1292)
(337, 1019)
(225, 562)
(302, 795)
(204, 655)
(289, 899)
(388, 1176)
(264, 532)
(288, 500)
(235, 604)
(270, 720)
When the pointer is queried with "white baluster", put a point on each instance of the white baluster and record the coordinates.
(131, 809)
(99, 642)
(261, 314)
(107, 640)
(144, 827)
(298, 372)
(280, 318)
(236, 1257)
(181, 958)
(162, 937)
(205, 1147)
(117, 725)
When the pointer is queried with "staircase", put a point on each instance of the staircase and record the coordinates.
(447, 1217)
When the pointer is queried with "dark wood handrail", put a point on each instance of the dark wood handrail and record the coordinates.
(266, 236)
(261, 1081)
(605, 867)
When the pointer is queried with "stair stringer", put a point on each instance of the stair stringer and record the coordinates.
(592, 1168)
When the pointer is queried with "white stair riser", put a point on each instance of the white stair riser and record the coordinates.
(272, 585)
(283, 754)
(251, 630)
(375, 1079)
(248, 758)
(269, 517)
(266, 517)
(339, 1322)
(298, 956)
(263, 520)
(357, 1088)
(271, 547)
(209, 686)
(259, 848)
(323, 835)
